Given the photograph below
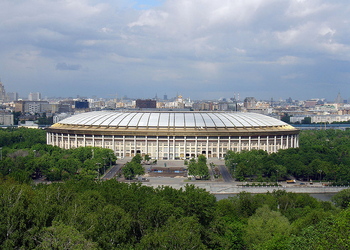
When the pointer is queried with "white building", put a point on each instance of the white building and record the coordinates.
(6, 119)
(173, 135)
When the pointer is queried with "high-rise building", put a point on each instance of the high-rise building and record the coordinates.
(250, 102)
(34, 96)
(148, 103)
(338, 99)
(2, 92)
(12, 96)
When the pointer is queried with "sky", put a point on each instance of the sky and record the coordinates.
(201, 49)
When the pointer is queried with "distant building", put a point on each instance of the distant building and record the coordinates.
(321, 118)
(12, 96)
(29, 124)
(2, 93)
(339, 99)
(145, 104)
(83, 104)
(6, 119)
(34, 96)
(33, 106)
(250, 102)
(310, 103)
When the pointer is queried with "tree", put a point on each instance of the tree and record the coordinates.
(265, 225)
(137, 159)
(181, 233)
(147, 158)
(60, 236)
(342, 198)
(132, 169)
(306, 120)
(286, 118)
(199, 168)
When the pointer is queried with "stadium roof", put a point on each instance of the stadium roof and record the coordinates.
(158, 120)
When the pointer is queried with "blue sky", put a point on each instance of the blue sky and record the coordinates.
(201, 49)
(148, 4)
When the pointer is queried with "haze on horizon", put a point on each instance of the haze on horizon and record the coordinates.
(202, 49)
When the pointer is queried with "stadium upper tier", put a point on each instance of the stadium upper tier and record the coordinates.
(177, 120)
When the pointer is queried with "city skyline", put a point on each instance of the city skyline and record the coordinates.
(201, 49)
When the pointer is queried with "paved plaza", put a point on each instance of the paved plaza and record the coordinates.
(220, 186)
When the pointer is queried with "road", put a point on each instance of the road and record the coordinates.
(112, 172)
(226, 176)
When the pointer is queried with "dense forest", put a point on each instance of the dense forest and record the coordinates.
(323, 155)
(25, 155)
(85, 213)
(89, 214)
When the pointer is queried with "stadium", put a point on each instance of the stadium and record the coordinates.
(173, 135)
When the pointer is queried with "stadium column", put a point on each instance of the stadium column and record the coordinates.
(249, 143)
(173, 147)
(275, 144)
(287, 142)
(295, 141)
(157, 147)
(267, 144)
(93, 140)
(239, 143)
(229, 143)
(259, 142)
(281, 146)
(76, 141)
(135, 145)
(207, 148)
(113, 143)
(168, 148)
(196, 146)
(48, 138)
(146, 144)
(84, 140)
(103, 141)
(123, 146)
(218, 147)
(68, 141)
(62, 141)
(185, 150)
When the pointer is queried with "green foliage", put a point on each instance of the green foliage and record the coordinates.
(133, 168)
(147, 158)
(25, 155)
(306, 120)
(265, 225)
(323, 155)
(113, 215)
(342, 198)
(60, 236)
(199, 168)
(176, 234)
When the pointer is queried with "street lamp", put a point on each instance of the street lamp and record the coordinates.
(104, 165)
(234, 169)
(98, 169)
(320, 171)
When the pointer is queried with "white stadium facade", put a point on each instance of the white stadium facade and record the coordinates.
(173, 135)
